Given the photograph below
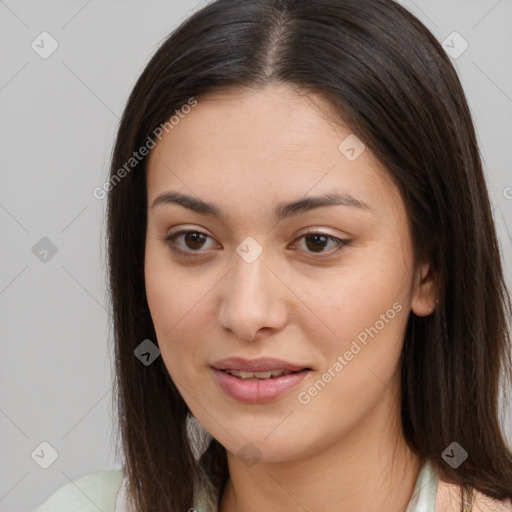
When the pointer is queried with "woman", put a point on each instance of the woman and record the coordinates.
(303, 260)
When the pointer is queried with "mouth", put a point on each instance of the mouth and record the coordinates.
(267, 375)
(258, 368)
(258, 387)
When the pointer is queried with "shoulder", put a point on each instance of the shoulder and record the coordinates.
(448, 500)
(91, 492)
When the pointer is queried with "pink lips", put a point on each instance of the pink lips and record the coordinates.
(257, 390)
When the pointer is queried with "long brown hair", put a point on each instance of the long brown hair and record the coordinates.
(388, 78)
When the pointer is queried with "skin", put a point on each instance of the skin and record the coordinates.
(300, 300)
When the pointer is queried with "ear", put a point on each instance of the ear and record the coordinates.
(425, 293)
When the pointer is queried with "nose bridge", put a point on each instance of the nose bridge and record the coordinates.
(250, 278)
(252, 295)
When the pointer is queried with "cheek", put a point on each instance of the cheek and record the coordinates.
(170, 291)
(360, 314)
(361, 358)
(160, 290)
(178, 302)
(167, 301)
(353, 297)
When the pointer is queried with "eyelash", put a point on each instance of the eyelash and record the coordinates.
(342, 243)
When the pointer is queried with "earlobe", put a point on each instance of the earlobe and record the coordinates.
(425, 294)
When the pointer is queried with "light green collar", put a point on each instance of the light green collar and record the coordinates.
(424, 494)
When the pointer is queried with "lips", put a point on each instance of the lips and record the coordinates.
(255, 390)
(262, 364)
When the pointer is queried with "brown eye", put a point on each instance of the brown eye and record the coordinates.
(193, 240)
(317, 241)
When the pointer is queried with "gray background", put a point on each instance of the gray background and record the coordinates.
(59, 117)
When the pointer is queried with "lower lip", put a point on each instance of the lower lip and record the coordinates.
(252, 391)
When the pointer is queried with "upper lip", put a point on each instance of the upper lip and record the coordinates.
(261, 364)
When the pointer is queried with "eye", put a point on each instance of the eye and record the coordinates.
(194, 241)
(316, 241)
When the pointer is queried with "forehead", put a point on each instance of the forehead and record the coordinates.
(274, 121)
(255, 146)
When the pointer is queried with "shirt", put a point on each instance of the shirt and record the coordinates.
(106, 491)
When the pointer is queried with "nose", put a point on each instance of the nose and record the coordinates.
(253, 299)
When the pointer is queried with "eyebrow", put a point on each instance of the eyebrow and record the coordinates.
(281, 211)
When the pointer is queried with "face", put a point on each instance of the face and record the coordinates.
(251, 284)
